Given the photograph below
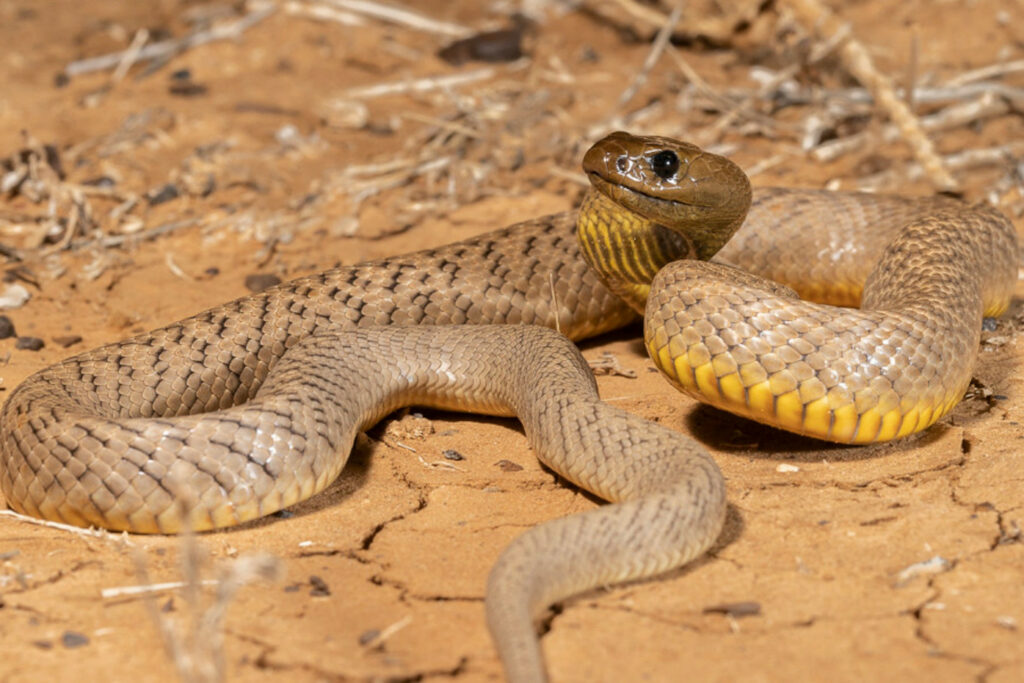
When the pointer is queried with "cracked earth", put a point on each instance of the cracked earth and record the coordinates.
(899, 562)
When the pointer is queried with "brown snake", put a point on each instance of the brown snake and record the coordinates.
(214, 405)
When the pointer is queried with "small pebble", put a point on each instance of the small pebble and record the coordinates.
(162, 194)
(73, 639)
(257, 282)
(735, 609)
(6, 327)
(29, 343)
(100, 181)
(67, 340)
(508, 466)
(367, 637)
(14, 296)
(320, 588)
(503, 45)
(452, 454)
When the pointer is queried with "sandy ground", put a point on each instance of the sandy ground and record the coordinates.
(899, 562)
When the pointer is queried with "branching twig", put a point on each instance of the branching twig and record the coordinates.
(857, 60)
(166, 48)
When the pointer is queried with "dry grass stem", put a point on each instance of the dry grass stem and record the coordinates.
(140, 590)
(91, 532)
(197, 647)
(954, 116)
(657, 49)
(1007, 154)
(167, 48)
(420, 85)
(321, 12)
(401, 17)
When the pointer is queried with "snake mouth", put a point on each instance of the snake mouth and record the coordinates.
(633, 199)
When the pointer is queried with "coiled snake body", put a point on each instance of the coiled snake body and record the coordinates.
(253, 405)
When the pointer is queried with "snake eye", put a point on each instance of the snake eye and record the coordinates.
(622, 164)
(665, 164)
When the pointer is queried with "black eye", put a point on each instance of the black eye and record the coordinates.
(622, 163)
(665, 164)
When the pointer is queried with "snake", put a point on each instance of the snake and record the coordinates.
(746, 297)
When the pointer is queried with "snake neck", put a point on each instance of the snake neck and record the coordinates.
(625, 249)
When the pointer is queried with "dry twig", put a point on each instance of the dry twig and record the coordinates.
(167, 48)
(857, 60)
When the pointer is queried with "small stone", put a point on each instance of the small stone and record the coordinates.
(29, 343)
(257, 282)
(67, 340)
(6, 327)
(73, 639)
(14, 296)
(368, 636)
(162, 194)
(735, 609)
(320, 588)
(100, 181)
(508, 466)
(452, 454)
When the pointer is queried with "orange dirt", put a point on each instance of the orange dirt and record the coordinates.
(820, 538)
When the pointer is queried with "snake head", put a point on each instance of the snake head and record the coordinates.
(702, 196)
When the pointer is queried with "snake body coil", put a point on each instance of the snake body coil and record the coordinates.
(252, 406)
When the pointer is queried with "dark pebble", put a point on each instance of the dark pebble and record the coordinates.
(181, 75)
(504, 45)
(452, 454)
(6, 327)
(212, 271)
(320, 588)
(100, 181)
(29, 343)
(367, 637)
(187, 89)
(72, 639)
(163, 194)
(43, 644)
(260, 281)
(67, 340)
(735, 609)
(989, 324)
(508, 466)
